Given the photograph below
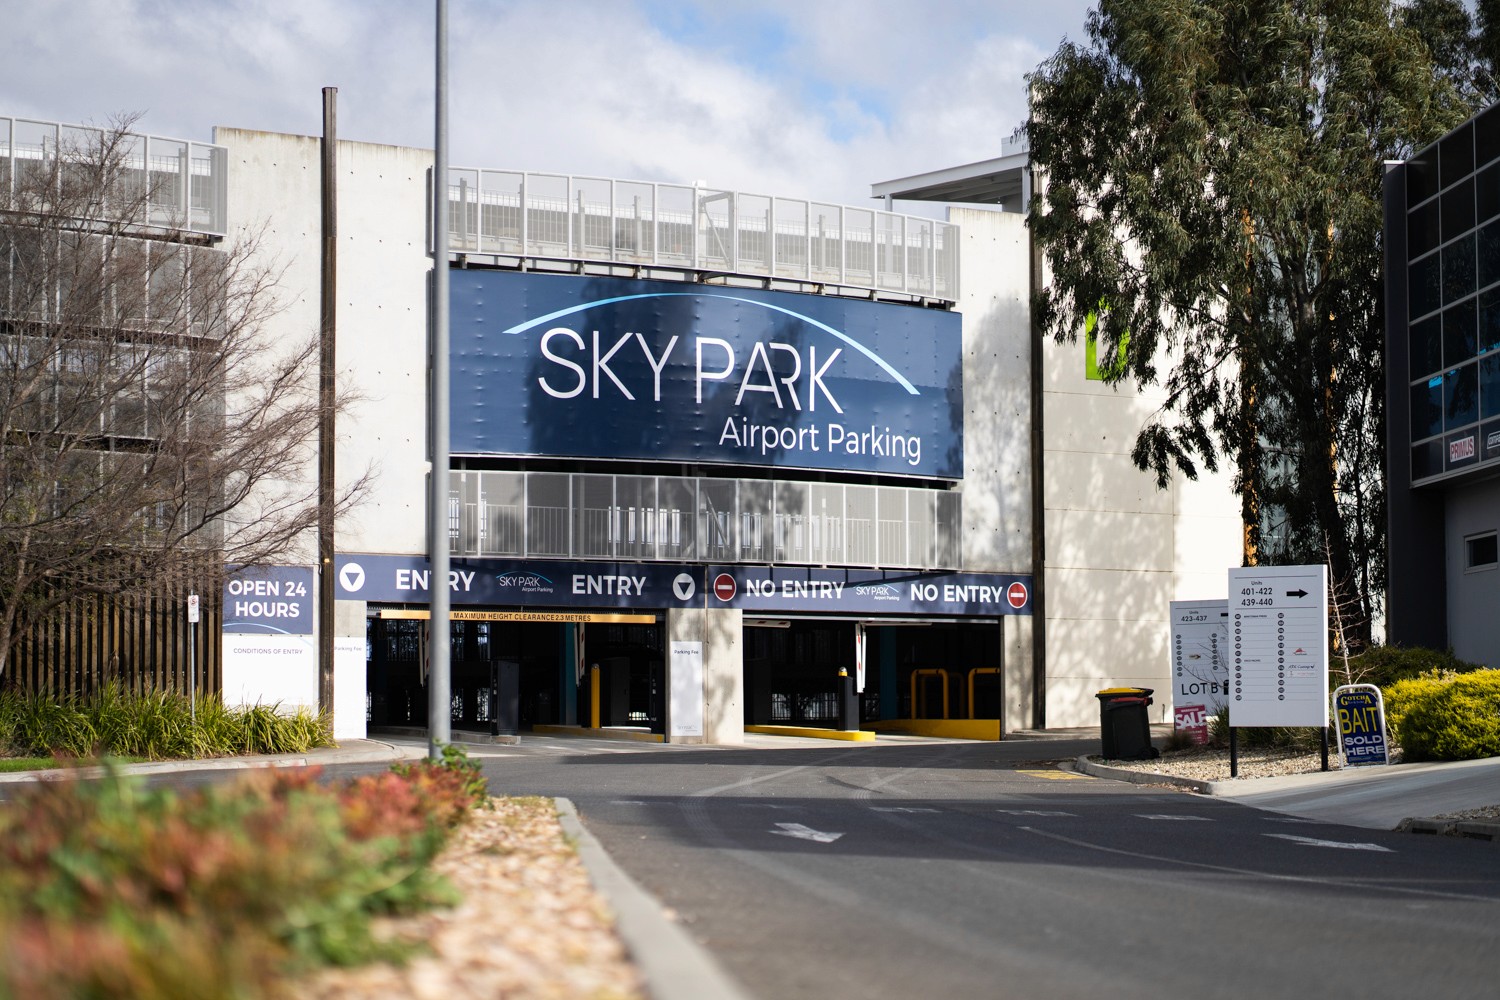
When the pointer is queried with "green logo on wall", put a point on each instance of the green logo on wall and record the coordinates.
(1091, 369)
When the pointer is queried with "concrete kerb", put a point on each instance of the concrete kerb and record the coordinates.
(1144, 777)
(674, 965)
(366, 752)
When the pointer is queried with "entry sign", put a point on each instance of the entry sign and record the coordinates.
(1278, 631)
(1361, 713)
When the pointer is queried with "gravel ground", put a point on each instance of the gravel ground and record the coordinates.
(530, 926)
(1212, 764)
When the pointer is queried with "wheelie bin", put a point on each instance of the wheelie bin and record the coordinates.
(1124, 728)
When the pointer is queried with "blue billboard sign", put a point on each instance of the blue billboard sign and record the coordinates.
(762, 589)
(599, 367)
(268, 600)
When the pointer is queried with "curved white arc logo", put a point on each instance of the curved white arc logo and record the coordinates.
(861, 348)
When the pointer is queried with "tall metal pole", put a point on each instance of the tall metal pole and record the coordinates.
(326, 373)
(439, 711)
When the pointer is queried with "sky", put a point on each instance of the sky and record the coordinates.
(795, 98)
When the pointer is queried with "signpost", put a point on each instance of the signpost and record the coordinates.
(193, 658)
(1279, 633)
(1360, 710)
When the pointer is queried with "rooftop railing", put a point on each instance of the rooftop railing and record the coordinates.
(509, 213)
(165, 185)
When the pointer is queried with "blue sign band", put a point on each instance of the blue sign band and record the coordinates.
(557, 584)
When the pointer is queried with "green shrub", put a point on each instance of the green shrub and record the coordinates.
(1439, 717)
(110, 889)
(155, 725)
(1289, 738)
(1385, 665)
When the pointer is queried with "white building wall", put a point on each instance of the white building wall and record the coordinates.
(274, 182)
(997, 522)
(1119, 549)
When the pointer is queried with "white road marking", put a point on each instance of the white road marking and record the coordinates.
(1035, 812)
(1341, 844)
(902, 809)
(1171, 816)
(805, 833)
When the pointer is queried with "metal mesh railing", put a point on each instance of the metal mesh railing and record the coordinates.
(591, 516)
(574, 218)
(170, 185)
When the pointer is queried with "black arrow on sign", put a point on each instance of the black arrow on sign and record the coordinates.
(1296, 593)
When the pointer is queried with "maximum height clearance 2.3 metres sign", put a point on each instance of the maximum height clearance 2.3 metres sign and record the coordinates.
(1278, 631)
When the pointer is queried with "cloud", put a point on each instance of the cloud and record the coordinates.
(780, 96)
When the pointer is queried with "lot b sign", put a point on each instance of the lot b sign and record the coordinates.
(1278, 633)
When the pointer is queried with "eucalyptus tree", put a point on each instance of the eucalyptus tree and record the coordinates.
(1210, 205)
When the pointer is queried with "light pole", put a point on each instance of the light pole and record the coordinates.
(439, 711)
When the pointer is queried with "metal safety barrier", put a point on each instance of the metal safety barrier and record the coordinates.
(513, 213)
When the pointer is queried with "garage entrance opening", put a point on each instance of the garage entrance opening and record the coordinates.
(931, 670)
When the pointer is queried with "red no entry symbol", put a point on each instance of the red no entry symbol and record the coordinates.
(1016, 595)
(724, 587)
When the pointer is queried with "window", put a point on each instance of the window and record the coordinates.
(1480, 552)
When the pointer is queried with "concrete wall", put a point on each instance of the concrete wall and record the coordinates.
(274, 183)
(1473, 595)
(997, 523)
(1118, 548)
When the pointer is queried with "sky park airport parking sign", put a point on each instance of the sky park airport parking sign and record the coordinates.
(536, 583)
(597, 367)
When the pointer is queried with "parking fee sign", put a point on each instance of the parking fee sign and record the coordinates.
(1278, 623)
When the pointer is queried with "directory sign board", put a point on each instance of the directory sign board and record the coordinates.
(602, 367)
(1200, 663)
(1360, 711)
(1279, 633)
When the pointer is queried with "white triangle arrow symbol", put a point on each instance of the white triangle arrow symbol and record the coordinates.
(805, 833)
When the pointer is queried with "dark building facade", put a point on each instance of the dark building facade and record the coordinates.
(1442, 257)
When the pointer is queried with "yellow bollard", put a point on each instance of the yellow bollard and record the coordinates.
(594, 696)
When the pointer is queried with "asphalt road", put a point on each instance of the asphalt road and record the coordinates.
(981, 870)
(956, 870)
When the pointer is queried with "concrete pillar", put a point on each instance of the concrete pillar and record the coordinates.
(1018, 665)
(719, 631)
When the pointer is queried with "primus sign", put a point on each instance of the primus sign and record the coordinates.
(614, 368)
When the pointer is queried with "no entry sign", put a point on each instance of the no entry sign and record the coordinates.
(1016, 595)
(724, 587)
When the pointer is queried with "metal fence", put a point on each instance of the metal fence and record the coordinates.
(588, 516)
(571, 218)
(184, 183)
